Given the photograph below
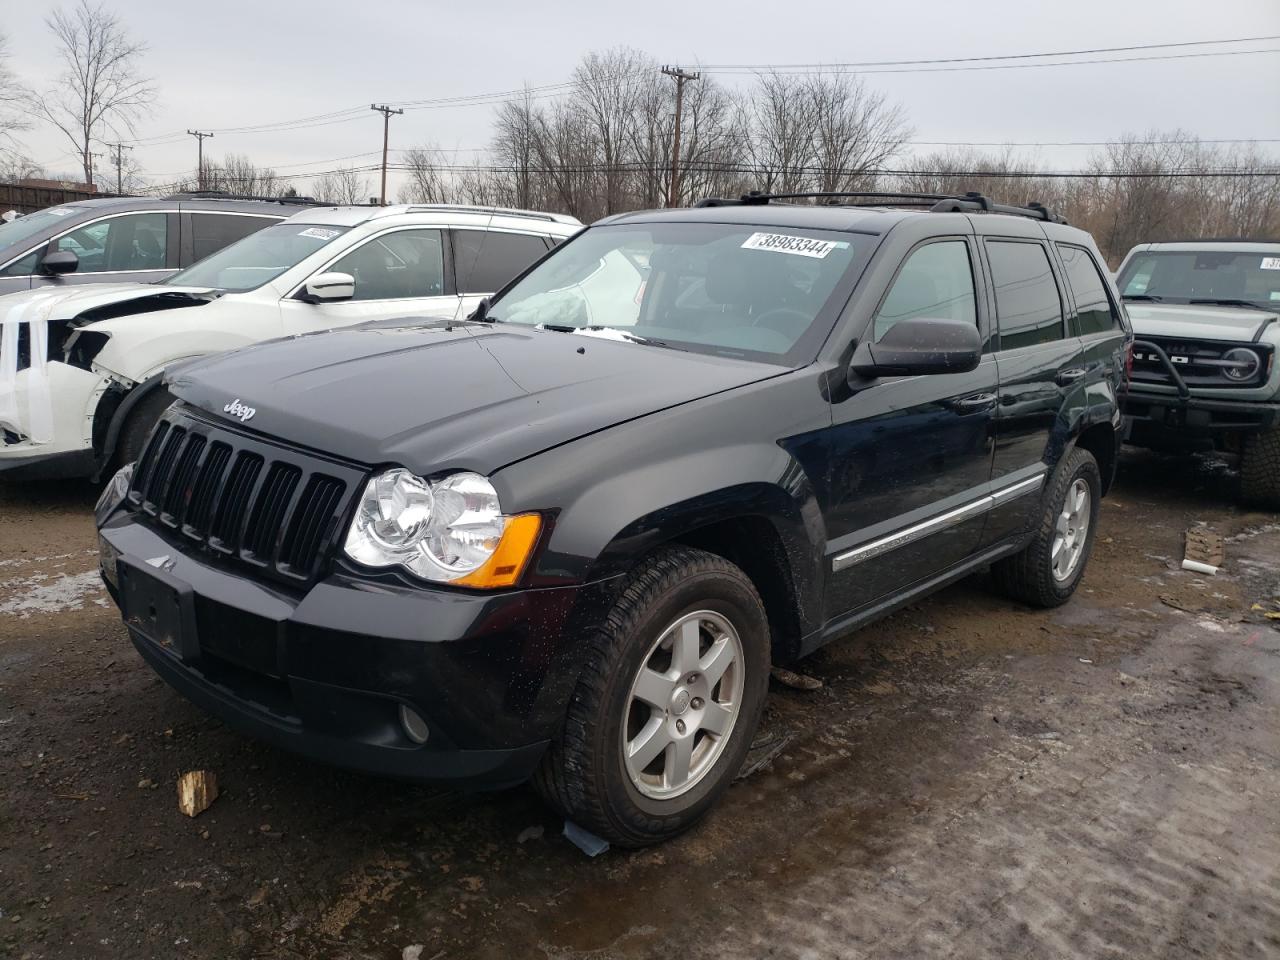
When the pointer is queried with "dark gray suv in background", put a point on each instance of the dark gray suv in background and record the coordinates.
(126, 239)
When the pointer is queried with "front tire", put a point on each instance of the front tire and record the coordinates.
(1260, 470)
(669, 699)
(1048, 570)
(137, 428)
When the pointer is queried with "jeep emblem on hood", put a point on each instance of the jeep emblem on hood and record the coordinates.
(239, 410)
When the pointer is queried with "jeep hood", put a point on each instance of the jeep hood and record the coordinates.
(1197, 321)
(436, 394)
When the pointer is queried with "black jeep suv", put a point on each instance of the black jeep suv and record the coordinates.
(565, 539)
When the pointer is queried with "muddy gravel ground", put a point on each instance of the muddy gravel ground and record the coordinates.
(974, 779)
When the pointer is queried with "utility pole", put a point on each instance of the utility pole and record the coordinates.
(118, 160)
(200, 137)
(386, 131)
(681, 76)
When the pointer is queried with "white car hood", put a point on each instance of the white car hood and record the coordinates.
(66, 303)
(1196, 321)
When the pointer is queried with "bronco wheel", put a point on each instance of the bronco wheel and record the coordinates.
(1260, 470)
(667, 704)
(1046, 572)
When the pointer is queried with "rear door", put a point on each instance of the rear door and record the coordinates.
(485, 260)
(1042, 371)
(208, 231)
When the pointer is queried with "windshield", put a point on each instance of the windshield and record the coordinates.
(730, 289)
(15, 234)
(1186, 275)
(259, 258)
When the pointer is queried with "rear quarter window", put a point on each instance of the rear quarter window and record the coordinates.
(1094, 311)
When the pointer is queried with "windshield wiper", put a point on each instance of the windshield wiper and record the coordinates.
(615, 333)
(1141, 296)
(1230, 302)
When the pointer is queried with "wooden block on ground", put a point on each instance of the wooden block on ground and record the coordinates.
(197, 789)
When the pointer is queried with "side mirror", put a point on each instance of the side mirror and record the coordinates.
(329, 288)
(920, 346)
(59, 262)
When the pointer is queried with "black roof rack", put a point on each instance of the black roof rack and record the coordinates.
(971, 202)
(221, 195)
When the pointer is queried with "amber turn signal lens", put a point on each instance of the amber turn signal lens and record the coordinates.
(504, 568)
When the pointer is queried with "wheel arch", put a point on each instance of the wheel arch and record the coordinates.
(1101, 440)
(116, 415)
(760, 528)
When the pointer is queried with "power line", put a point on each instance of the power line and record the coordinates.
(1008, 56)
(818, 69)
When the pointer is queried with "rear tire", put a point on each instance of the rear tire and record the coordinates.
(689, 632)
(1046, 572)
(138, 426)
(1260, 470)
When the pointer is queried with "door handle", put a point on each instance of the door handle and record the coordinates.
(975, 404)
(1069, 376)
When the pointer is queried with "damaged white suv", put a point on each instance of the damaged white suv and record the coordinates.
(81, 368)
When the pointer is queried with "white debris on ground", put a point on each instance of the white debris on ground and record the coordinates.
(51, 593)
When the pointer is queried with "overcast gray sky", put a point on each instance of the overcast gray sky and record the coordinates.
(237, 63)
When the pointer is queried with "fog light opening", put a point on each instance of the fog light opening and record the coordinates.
(415, 728)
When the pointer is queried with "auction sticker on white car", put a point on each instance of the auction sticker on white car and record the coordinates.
(800, 246)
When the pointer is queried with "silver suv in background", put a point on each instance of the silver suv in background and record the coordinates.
(1206, 315)
(118, 239)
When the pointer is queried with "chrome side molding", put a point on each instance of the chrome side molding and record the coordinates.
(925, 528)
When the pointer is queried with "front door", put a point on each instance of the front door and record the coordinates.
(400, 273)
(910, 455)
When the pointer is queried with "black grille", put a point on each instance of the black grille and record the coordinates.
(1200, 363)
(241, 498)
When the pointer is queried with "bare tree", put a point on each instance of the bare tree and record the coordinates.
(238, 174)
(100, 92)
(343, 186)
(428, 182)
(781, 124)
(855, 131)
(235, 174)
(12, 99)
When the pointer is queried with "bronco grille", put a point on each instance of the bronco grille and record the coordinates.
(1200, 363)
(242, 499)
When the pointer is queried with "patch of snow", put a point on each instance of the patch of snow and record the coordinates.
(45, 594)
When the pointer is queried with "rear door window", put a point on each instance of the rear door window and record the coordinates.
(210, 232)
(135, 241)
(1094, 310)
(936, 281)
(1028, 307)
(485, 260)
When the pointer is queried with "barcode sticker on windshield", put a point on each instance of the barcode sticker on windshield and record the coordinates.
(800, 246)
(319, 233)
(1271, 263)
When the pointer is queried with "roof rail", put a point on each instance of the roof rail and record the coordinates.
(971, 202)
(503, 211)
(221, 195)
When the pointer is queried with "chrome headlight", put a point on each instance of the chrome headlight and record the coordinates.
(450, 530)
(1245, 364)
